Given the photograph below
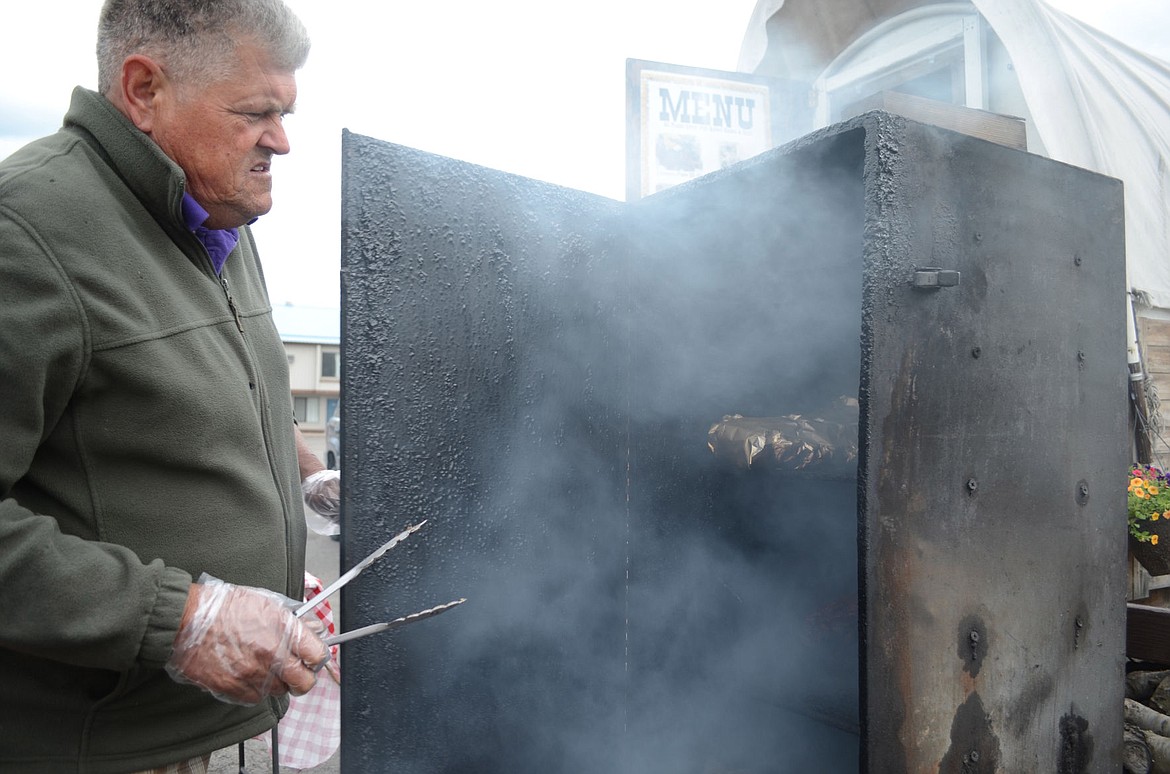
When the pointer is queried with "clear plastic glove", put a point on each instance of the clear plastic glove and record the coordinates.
(322, 491)
(242, 644)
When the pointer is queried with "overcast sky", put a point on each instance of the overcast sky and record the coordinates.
(534, 87)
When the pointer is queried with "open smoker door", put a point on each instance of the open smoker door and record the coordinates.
(629, 428)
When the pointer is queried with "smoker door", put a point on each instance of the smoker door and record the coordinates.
(995, 446)
(481, 391)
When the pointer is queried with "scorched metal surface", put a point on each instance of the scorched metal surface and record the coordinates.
(535, 371)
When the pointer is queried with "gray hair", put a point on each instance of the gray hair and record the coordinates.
(195, 39)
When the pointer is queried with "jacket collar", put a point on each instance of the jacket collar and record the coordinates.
(154, 179)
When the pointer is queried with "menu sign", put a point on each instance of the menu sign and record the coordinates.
(684, 122)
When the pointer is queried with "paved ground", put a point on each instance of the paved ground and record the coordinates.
(321, 560)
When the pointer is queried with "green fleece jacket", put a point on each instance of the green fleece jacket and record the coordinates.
(146, 436)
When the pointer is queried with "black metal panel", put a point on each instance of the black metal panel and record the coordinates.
(535, 370)
(994, 557)
(479, 392)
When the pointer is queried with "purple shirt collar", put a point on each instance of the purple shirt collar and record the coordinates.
(218, 241)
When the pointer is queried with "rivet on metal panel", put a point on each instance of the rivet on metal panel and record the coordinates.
(972, 486)
(933, 278)
(973, 644)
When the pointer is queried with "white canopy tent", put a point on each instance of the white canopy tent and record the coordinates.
(1095, 103)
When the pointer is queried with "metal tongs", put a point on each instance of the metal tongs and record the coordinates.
(357, 570)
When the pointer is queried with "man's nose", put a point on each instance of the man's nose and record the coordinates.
(275, 138)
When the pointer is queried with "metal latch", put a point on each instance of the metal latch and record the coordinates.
(933, 278)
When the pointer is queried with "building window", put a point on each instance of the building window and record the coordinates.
(330, 364)
(307, 409)
(936, 53)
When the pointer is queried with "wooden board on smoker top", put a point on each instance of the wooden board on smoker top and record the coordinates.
(993, 127)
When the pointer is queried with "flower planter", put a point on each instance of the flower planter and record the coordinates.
(1149, 512)
(1155, 558)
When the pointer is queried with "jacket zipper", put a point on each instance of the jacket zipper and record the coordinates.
(293, 584)
(232, 304)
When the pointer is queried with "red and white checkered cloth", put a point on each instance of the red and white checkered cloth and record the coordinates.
(310, 732)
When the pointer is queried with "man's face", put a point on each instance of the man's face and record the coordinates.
(224, 135)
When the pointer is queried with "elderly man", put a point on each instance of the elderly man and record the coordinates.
(151, 511)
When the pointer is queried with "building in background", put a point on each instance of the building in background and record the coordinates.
(312, 341)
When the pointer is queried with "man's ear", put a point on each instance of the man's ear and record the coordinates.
(142, 83)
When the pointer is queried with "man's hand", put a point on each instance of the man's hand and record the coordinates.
(322, 492)
(242, 644)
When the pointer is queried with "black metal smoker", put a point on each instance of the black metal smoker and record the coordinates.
(536, 371)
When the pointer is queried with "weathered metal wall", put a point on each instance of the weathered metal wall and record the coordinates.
(993, 550)
(535, 370)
